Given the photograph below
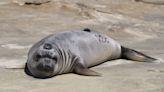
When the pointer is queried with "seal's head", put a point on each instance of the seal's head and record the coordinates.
(43, 62)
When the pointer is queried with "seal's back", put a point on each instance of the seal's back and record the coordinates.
(93, 47)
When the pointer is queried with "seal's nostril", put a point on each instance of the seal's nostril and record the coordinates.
(47, 46)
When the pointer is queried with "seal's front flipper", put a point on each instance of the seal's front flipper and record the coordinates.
(130, 54)
(82, 70)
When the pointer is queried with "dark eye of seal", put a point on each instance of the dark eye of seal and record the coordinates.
(47, 46)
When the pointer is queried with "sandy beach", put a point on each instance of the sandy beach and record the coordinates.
(135, 25)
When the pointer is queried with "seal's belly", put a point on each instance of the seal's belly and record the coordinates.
(96, 48)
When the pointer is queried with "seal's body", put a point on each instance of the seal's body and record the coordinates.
(75, 51)
(92, 48)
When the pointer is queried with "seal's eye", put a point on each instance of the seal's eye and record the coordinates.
(47, 46)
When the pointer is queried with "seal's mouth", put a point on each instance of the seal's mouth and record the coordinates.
(45, 61)
(41, 75)
(46, 66)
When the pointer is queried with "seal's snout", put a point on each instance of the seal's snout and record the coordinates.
(47, 46)
(45, 64)
(45, 67)
(47, 60)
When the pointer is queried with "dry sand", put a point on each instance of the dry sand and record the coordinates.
(134, 24)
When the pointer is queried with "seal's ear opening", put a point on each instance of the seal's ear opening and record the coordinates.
(26, 70)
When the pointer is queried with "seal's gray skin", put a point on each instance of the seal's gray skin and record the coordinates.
(75, 51)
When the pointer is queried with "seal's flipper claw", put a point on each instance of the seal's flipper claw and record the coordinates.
(82, 70)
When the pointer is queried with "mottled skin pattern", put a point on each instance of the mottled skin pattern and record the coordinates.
(75, 51)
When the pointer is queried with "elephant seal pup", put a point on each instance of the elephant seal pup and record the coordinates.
(76, 52)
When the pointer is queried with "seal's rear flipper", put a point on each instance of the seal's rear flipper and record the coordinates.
(130, 54)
